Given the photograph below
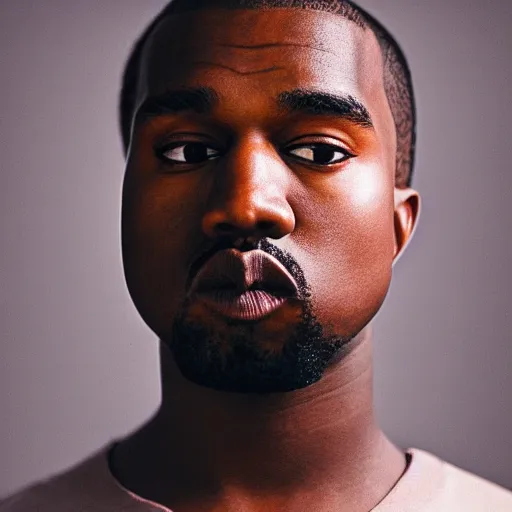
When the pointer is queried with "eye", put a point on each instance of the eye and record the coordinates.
(188, 153)
(320, 154)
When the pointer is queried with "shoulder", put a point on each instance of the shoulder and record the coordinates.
(37, 497)
(465, 491)
(86, 487)
(473, 493)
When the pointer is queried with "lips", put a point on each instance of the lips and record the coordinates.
(243, 285)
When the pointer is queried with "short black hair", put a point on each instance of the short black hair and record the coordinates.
(397, 77)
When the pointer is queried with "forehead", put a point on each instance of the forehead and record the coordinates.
(261, 53)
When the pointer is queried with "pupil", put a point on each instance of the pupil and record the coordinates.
(323, 154)
(195, 153)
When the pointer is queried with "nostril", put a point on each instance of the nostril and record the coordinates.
(262, 227)
(265, 225)
(224, 227)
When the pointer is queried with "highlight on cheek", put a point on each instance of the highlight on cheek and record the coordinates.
(367, 188)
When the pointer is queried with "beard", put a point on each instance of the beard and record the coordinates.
(230, 355)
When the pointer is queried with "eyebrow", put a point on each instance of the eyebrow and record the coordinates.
(326, 104)
(200, 100)
(203, 99)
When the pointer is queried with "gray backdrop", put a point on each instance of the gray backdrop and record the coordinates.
(78, 366)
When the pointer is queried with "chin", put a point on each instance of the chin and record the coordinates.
(285, 352)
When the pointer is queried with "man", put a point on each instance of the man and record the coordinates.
(269, 149)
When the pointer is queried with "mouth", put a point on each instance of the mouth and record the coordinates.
(251, 305)
(243, 285)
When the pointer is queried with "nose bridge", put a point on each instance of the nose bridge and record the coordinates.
(253, 174)
(249, 196)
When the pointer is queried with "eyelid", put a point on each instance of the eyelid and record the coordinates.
(321, 138)
(178, 139)
(178, 144)
(315, 143)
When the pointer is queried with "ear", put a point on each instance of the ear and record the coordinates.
(407, 211)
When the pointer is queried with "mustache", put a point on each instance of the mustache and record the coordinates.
(263, 244)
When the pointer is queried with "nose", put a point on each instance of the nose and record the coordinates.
(249, 195)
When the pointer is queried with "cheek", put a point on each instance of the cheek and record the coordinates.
(352, 244)
(160, 236)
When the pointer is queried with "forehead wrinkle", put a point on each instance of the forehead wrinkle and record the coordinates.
(265, 57)
(296, 57)
(310, 24)
(276, 45)
(241, 73)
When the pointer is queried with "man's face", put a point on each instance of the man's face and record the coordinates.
(308, 179)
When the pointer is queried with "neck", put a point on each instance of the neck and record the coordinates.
(321, 442)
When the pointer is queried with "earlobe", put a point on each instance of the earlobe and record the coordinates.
(407, 211)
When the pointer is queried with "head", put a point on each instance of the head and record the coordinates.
(283, 126)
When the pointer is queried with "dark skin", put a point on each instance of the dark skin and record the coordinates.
(316, 448)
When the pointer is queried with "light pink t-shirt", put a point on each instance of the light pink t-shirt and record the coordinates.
(429, 484)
